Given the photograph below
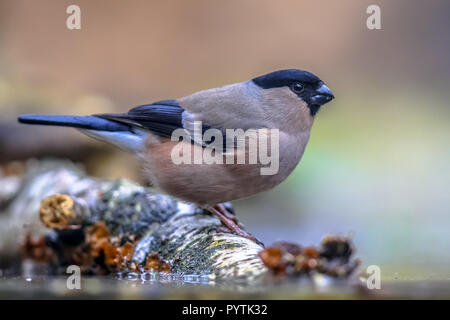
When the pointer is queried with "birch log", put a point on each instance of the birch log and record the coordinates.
(183, 234)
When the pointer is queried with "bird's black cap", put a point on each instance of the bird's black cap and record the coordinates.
(287, 77)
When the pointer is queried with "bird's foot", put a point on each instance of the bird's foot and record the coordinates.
(230, 222)
(229, 215)
(220, 229)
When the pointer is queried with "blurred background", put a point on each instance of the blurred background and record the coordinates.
(377, 162)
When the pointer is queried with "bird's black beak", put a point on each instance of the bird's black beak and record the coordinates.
(322, 95)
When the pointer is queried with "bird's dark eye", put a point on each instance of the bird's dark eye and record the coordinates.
(297, 87)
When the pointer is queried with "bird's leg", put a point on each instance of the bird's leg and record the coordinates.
(229, 215)
(232, 225)
(221, 208)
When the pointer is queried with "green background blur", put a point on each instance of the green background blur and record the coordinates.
(377, 162)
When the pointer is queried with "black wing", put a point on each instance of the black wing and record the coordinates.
(162, 117)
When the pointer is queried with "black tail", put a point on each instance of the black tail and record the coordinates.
(81, 122)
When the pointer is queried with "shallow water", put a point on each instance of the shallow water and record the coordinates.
(176, 286)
